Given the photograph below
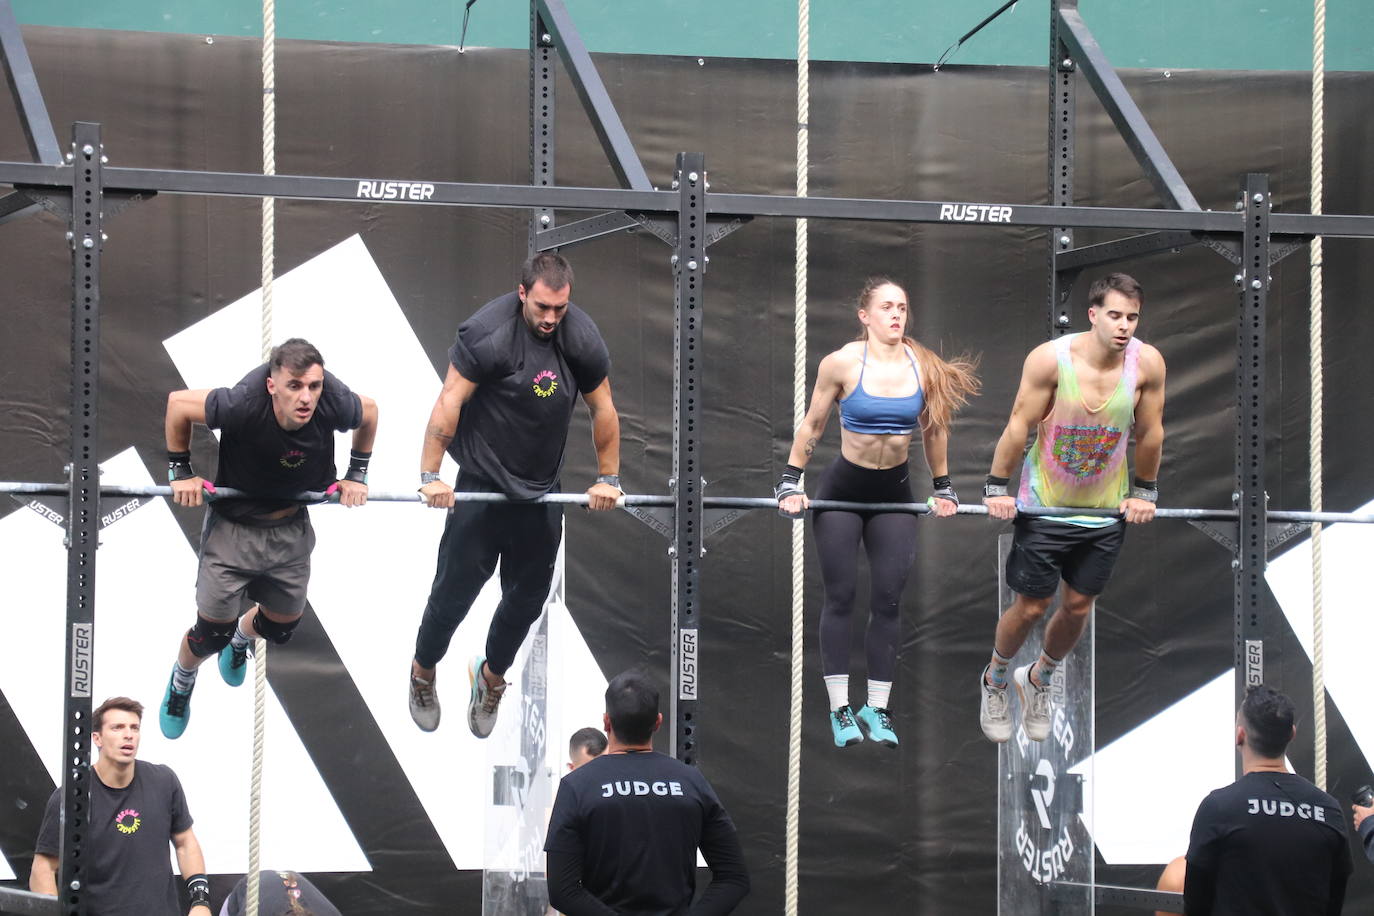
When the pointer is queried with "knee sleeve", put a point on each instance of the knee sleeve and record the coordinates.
(271, 630)
(207, 637)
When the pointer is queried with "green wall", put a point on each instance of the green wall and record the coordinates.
(1211, 34)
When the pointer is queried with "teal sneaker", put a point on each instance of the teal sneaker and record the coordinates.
(175, 712)
(877, 723)
(233, 664)
(485, 700)
(843, 725)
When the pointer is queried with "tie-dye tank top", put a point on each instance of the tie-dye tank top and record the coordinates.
(1079, 454)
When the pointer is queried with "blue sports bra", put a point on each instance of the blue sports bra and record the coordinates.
(874, 415)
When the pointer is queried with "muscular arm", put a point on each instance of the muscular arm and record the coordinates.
(606, 441)
(829, 384)
(366, 433)
(439, 432)
(936, 442)
(190, 861)
(1149, 416)
(185, 408)
(43, 874)
(1039, 377)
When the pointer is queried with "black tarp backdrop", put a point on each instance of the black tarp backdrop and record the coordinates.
(909, 831)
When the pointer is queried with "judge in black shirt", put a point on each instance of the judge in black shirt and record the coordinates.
(277, 430)
(515, 371)
(1271, 842)
(626, 826)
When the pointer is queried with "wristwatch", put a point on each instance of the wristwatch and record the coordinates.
(428, 477)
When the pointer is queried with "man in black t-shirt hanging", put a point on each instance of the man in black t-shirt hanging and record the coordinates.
(136, 808)
(515, 370)
(626, 825)
(1271, 842)
(277, 430)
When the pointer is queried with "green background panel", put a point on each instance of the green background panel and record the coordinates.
(1207, 34)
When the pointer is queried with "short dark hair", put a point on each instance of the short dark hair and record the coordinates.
(632, 704)
(124, 703)
(591, 740)
(1268, 717)
(1125, 284)
(553, 269)
(294, 355)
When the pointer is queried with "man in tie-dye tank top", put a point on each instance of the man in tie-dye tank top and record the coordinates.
(1086, 395)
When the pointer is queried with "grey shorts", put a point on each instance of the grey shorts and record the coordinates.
(242, 565)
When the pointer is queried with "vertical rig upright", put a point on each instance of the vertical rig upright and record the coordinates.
(83, 514)
(542, 113)
(1249, 495)
(689, 271)
(1062, 103)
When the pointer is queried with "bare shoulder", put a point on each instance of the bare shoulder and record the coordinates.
(1042, 365)
(1151, 363)
(841, 361)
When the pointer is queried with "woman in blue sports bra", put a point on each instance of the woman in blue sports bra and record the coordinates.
(887, 387)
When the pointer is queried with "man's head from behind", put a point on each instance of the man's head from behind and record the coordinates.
(632, 708)
(585, 744)
(1266, 722)
(115, 728)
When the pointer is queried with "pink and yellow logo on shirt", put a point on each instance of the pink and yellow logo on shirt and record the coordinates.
(545, 384)
(128, 821)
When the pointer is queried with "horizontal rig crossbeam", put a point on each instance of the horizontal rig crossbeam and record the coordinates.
(712, 502)
(437, 193)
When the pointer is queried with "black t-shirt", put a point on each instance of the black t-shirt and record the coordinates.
(273, 899)
(637, 820)
(513, 430)
(128, 868)
(1269, 843)
(257, 456)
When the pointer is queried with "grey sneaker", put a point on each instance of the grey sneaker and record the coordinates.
(994, 712)
(424, 704)
(1035, 705)
(485, 700)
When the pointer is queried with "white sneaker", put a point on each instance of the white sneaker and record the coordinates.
(424, 704)
(994, 713)
(1035, 705)
(485, 700)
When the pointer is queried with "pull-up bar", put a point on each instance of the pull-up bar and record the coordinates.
(709, 502)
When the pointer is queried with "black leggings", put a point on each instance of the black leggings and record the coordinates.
(889, 539)
(524, 538)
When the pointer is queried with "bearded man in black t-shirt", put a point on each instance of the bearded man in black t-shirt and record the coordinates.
(1271, 842)
(136, 807)
(626, 826)
(515, 371)
(277, 430)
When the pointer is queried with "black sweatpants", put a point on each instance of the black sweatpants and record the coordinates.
(524, 538)
(889, 539)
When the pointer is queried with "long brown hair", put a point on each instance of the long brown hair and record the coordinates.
(948, 384)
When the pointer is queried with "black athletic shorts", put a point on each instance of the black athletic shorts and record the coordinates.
(1044, 551)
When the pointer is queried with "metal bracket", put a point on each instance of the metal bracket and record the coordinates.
(658, 519)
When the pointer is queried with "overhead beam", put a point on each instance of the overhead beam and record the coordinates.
(1135, 130)
(33, 114)
(629, 171)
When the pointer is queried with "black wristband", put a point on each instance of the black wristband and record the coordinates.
(179, 466)
(198, 886)
(1147, 484)
(792, 473)
(357, 466)
(943, 482)
(997, 481)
